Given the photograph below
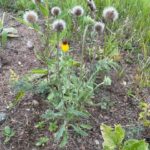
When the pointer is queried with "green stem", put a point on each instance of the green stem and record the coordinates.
(82, 50)
(58, 67)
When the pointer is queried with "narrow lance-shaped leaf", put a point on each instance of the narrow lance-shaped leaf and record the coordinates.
(44, 10)
(64, 140)
(79, 130)
(60, 132)
(4, 39)
(40, 71)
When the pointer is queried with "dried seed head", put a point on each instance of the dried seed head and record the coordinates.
(30, 17)
(59, 25)
(37, 1)
(110, 14)
(65, 41)
(99, 27)
(55, 11)
(77, 11)
(91, 4)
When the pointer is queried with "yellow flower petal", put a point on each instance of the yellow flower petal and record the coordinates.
(65, 47)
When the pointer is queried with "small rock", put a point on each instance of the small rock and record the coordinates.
(124, 83)
(35, 103)
(30, 45)
(34, 148)
(20, 64)
(27, 109)
(97, 142)
(2, 117)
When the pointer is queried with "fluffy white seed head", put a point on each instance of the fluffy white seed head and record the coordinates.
(77, 11)
(55, 11)
(37, 1)
(110, 14)
(99, 27)
(91, 4)
(59, 25)
(30, 16)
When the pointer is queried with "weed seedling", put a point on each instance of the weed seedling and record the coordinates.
(8, 133)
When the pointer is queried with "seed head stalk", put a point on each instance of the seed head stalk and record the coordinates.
(58, 69)
(58, 65)
(83, 52)
(75, 27)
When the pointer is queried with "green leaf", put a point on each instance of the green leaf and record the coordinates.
(60, 132)
(19, 95)
(78, 113)
(1, 24)
(79, 130)
(40, 71)
(64, 140)
(4, 39)
(60, 105)
(44, 10)
(112, 137)
(8, 133)
(86, 126)
(40, 125)
(135, 145)
(17, 99)
(53, 127)
(42, 141)
(51, 96)
(51, 115)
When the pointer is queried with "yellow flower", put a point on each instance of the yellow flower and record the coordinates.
(64, 46)
(13, 76)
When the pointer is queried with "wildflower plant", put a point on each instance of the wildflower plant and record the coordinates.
(67, 83)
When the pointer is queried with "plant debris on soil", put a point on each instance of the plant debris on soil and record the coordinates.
(22, 118)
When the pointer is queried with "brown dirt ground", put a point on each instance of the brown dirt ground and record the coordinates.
(24, 116)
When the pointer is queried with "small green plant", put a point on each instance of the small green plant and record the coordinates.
(143, 72)
(42, 141)
(8, 133)
(40, 125)
(144, 114)
(114, 139)
(53, 127)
